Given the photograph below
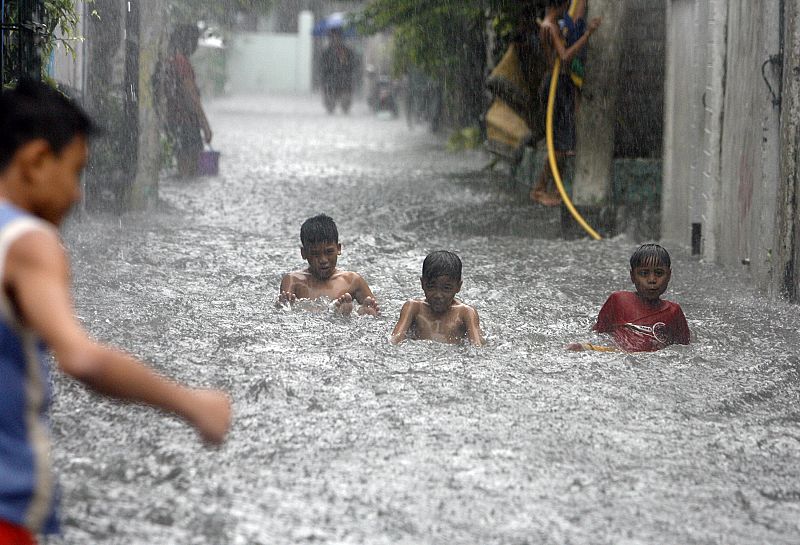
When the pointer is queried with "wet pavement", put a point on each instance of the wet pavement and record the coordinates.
(341, 438)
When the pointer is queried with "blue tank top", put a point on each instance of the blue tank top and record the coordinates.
(27, 487)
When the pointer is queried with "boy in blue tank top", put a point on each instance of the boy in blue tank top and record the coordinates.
(43, 150)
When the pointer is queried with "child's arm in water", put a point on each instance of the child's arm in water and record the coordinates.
(365, 298)
(407, 315)
(473, 326)
(580, 347)
(286, 295)
(37, 276)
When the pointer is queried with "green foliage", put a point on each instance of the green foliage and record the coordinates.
(223, 13)
(427, 32)
(58, 22)
(62, 16)
(446, 40)
(464, 139)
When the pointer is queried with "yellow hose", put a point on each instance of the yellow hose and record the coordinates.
(551, 150)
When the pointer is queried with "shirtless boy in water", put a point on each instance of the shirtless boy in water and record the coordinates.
(321, 248)
(439, 317)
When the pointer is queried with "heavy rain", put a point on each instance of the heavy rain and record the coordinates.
(433, 139)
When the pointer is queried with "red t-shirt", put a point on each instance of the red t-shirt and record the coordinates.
(640, 326)
(11, 534)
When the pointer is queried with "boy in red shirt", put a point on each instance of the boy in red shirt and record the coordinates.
(641, 321)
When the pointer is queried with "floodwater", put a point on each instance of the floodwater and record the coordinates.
(340, 438)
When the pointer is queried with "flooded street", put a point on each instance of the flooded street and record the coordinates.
(340, 438)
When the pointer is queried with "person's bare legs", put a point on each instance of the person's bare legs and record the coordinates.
(347, 100)
(545, 191)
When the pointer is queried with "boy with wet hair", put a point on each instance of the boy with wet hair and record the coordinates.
(320, 247)
(641, 321)
(43, 150)
(439, 316)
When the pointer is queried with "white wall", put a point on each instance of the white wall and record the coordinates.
(262, 62)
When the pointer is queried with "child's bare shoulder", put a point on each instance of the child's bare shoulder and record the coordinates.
(299, 276)
(350, 276)
(465, 310)
(414, 305)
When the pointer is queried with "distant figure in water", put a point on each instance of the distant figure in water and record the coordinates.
(43, 150)
(337, 70)
(439, 316)
(641, 321)
(185, 118)
(320, 247)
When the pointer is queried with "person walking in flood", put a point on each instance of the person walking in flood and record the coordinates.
(337, 71)
(439, 316)
(641, 321)
(561, 37)
(43, 150)
(320, 247)
(185, 117)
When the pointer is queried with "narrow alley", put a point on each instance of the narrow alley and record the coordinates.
(341, 438)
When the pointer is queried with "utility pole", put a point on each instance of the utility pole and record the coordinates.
(595, 118)
(788, 221)
(151, 33)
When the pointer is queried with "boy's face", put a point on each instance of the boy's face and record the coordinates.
(651, 280)
(440, 292)
(54, 179)
(322, 258)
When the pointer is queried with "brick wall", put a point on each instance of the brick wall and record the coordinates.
(640, 100)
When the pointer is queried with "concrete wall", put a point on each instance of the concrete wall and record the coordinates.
(723, 145)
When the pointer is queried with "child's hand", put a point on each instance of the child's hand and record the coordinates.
(344, 304)
(594, 24)
(370, 306)
(574, 347)
(211, 415)
(286, 298)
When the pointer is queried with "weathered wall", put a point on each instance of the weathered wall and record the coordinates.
(741, 147)
(730, 158)
(787, 237)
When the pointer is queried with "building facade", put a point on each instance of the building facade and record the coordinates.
(731, 135)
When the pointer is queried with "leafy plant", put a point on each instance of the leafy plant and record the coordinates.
(446, 40)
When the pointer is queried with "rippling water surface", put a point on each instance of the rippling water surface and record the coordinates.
(341, 438)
